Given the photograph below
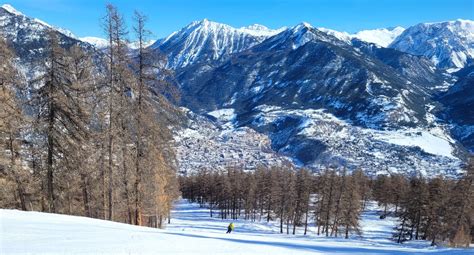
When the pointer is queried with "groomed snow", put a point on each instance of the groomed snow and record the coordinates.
(191, 231)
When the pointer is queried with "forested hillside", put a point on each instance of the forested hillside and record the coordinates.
(90, 135)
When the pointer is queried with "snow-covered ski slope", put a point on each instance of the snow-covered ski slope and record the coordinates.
(191, 231)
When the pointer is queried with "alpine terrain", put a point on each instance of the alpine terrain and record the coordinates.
(245, 139)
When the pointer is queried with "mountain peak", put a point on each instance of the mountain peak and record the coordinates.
(12, 10)
(206, 24)
(204, 21)
(448, 44)
(205, 39)
(216, 27)
(304, 25)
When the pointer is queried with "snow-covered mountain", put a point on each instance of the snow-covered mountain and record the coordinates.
(382, 37)
(324, 101)
(448, 44)
(28, 37)
(101, 43)
(459, 101)
(12, 17)
(207, 41)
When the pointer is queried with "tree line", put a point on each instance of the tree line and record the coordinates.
(332, 199)
(89, 136)
(438, 209)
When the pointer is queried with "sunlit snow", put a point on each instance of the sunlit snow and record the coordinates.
(192, 231)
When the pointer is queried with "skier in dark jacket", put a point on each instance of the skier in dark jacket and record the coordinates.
(230, 227)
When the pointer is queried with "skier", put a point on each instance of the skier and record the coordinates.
(230, 227)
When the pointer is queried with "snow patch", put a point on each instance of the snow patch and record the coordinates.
(434, 142)
(97, 42)
(382, 36)
(260, 30)
(224, 115)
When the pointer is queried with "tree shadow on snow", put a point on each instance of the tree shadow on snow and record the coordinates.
(317, 248)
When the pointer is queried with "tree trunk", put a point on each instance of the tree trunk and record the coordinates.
(85, 196)
(19, 185)
(49, 162)
(125, 184)
(110, 183)
(306, 222)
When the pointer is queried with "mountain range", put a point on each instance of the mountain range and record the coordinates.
(384, 100)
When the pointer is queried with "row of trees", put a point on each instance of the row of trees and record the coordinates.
(437, 209)
(332, 199)
(86, 137)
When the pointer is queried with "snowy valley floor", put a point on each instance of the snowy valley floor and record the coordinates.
(191, 231)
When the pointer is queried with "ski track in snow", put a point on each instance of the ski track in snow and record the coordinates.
(191, 231)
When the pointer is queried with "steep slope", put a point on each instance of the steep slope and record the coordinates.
(28, 37)
(459, 103)
(303, 67)
(418, 69)
(448, 44)
(205, 41)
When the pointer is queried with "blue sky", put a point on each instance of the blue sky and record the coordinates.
(83, 17)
